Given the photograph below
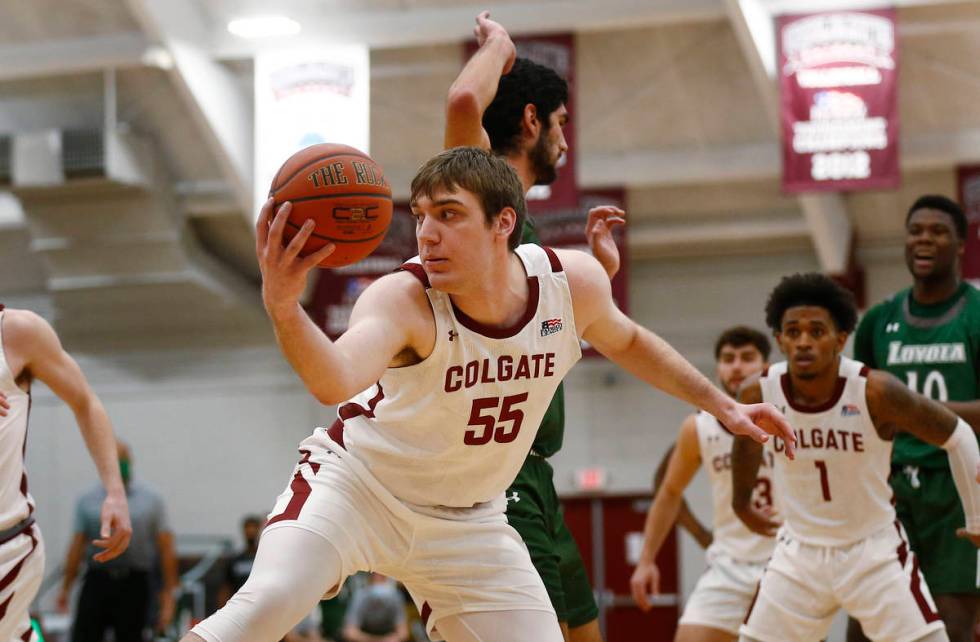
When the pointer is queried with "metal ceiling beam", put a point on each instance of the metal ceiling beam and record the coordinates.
(217, 102)
(76, 56)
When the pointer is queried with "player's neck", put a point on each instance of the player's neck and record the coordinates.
(498, 297)
(522, 165)
(929, 291)
(815, 390)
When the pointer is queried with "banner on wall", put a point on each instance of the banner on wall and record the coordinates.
(838, 78)
(968, 179)
(306, 97)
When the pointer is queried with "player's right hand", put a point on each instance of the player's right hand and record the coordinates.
(758, 420)
(283, 270)
(486, 28)
(645, 582)
(116, 529)
(761, 521)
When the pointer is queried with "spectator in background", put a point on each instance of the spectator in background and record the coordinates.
(240, 565)
(118, 593)
(376, 613)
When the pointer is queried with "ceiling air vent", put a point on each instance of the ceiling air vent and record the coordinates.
(83, 153)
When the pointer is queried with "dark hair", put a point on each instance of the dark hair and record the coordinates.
(811, 289)
(490, 178)
(943, 204)
(742, 335)
(252, 520)
(527, 83)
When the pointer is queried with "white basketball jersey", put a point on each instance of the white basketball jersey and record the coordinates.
(454, 429)
(731, 537)
(836, 491)
(15, 502)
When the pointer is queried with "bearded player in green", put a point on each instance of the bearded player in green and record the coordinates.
(929, 337)
(517, 108)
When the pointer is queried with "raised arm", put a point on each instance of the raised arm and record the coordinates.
(895, 408)
(683, 464)
(650, 358)
(383, 322)
(43, 357)
(475, 87)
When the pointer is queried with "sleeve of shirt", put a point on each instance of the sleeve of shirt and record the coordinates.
(864, 338)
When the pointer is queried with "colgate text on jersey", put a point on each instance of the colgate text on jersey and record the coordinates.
(503, 368)
(825, 438)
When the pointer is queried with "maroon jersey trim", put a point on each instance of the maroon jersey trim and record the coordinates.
(916, 581)
(14, 572)
(426, 613)
(504, 333)
(827, 405)
(417, 271)
(351, 410)
(553, 259)
(864, 371)
(300, 489)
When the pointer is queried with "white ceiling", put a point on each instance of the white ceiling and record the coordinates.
(670, 103)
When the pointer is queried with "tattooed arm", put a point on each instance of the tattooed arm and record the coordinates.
(894, 408)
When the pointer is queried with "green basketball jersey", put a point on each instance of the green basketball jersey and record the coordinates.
(552, 429)
(934, 349)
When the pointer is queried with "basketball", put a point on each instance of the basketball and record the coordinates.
(346, 195)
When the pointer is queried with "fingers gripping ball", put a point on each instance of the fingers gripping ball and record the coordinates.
(346, 195)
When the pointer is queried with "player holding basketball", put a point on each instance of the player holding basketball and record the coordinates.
(516, 107)
(31, 349)
(841, 544)
(929, 337)
(737, 556)
(443, 375)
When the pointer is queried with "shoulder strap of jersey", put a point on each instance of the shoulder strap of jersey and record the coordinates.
(414, 267)
(539, 260)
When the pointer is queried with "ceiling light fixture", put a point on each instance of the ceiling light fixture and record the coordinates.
(263, 27)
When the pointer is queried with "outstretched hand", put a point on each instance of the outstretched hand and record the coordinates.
(485, 29)
(599, 232)
(758, 421)
(283, 270)
(115, 530)
(645, 582)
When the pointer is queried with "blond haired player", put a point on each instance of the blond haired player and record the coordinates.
(442, 377)
(736, 557)
(31, 350)
(841, 545)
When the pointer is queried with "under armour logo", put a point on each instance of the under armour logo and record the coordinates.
(912, 472)
(892, 327)
(513, 498)
(453, 334)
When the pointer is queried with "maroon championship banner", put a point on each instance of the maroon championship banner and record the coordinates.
(838, 78)
(968, 179)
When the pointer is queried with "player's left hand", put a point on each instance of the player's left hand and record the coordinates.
(965, 534)
(599, 232)
(758, 421)
(116, 528)
(762, 521)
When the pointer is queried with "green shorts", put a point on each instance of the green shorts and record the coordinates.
(534, 511)
(929, 507)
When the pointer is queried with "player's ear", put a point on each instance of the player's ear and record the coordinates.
(530, 123)
(505, 221)
(841, 340)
